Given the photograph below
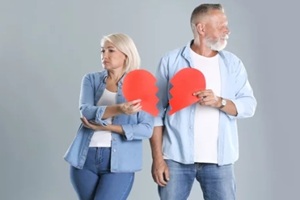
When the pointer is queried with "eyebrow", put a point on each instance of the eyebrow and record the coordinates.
(109, 47)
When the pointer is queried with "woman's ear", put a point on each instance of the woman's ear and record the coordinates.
(126, 62)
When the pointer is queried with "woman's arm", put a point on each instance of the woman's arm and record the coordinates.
(127, 108)
(141, 130)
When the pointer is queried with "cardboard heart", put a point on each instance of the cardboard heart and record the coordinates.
(185, 83)
(141, 84)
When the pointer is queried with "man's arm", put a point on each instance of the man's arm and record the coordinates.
(160, 171)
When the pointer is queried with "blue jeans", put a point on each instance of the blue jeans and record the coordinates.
(216, 182)
(96, 182)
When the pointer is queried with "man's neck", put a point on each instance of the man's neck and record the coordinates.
(201, 49)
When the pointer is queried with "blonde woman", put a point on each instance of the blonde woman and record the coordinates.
(107, 149)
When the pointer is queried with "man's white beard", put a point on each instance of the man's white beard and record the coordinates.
(218, 45)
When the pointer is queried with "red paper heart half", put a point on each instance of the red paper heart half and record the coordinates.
(141, 84)
(185, 83)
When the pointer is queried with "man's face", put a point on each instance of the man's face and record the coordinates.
(216, 30)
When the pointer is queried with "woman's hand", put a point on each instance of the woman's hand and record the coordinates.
(96, 127)
(131, 107)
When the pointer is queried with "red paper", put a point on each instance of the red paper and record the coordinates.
(141, 84)
(185, 83)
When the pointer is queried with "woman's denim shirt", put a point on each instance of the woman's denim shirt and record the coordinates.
(126, 150)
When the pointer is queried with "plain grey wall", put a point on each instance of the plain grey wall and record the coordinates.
(47, 46)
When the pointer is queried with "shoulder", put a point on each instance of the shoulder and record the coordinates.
(229, 57)
(94, 78)
(95, 75)
(174, 52)
(231, 61)
(181, 53)
(177, 55)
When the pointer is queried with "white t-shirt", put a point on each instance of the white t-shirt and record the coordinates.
(103, 138)
(206, 124)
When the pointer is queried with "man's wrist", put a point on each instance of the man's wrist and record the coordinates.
(223, 103)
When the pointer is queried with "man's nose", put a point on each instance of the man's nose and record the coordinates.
(227, 30)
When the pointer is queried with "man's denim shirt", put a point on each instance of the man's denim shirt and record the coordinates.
(126, 150)
(178, 137)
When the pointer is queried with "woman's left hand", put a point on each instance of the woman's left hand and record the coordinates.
(91, 125)
(131, 107)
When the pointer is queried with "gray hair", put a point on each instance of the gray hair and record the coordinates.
(126, 45)
(201, 11)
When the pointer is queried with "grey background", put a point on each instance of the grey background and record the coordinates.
(47, 46)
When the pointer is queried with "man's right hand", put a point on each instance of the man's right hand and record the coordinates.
(160, 172)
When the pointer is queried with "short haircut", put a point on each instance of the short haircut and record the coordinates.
(126, 45)
(203, 9)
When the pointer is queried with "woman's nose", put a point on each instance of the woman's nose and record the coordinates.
(103, 55)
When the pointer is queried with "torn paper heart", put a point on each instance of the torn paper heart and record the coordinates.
(141, 84)
(185, 83)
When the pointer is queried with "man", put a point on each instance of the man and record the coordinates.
(200, 141)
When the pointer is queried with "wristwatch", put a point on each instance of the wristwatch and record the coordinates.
(223, 103)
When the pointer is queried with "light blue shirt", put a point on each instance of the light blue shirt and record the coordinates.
(126, 150)
(178, 136)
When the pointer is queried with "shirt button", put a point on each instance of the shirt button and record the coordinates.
(114, 150)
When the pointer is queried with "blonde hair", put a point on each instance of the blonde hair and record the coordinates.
(126, 45)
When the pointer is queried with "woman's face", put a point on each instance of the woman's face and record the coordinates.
(112, 58)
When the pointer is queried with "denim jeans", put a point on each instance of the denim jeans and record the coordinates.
(96, 182)
(216, 182)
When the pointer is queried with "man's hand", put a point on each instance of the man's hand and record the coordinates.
(208, 98)
(160, 172)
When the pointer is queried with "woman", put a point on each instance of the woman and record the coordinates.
(107, 149)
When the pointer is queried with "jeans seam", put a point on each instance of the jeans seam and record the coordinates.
(128, 188)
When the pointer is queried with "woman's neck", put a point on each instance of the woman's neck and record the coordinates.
(112, 80)
(115, 75)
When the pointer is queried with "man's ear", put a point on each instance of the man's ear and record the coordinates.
(200, 28)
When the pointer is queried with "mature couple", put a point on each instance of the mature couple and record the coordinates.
(198, 142)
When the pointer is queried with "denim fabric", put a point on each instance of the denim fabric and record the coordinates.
(126, 149)
(217, 182)
(96, 181)
(178, 137)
